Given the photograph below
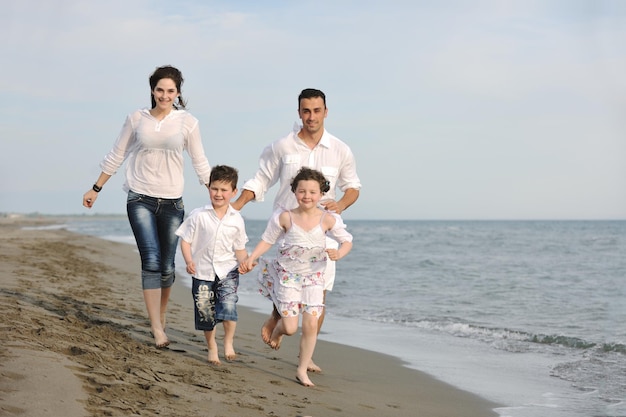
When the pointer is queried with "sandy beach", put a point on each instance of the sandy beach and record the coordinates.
(76, 342)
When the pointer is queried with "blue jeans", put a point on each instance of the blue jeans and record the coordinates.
(154, 222)
(226, 296)
(215, 301)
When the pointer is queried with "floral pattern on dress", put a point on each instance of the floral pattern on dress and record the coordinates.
(294, 281)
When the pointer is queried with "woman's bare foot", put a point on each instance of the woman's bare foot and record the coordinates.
(313, 367)
(160, 338)
(213, 357)
(163, 321)
(303, 379)
(268, 328)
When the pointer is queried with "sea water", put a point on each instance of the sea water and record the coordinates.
(528, 314)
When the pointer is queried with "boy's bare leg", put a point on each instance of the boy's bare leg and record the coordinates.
(229, 336)
(213, 356)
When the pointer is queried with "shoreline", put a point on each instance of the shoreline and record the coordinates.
(74, 302)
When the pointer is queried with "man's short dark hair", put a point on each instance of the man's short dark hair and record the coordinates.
(311, 93)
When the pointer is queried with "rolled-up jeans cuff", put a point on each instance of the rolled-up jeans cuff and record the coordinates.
(154, 280)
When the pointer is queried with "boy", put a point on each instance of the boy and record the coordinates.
(213, 244)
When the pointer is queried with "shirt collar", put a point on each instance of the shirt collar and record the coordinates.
(229, 212)
(324, 141)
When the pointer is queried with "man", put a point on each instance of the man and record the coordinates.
(309, 145)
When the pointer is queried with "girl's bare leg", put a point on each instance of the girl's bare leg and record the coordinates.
(307, 346)
(312, 367)
(286, 326)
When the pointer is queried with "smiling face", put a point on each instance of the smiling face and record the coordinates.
(221, 192)
(165, 94)
(308, 193)
(312, 112)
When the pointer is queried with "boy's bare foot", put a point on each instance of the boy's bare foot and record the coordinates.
(268, 328)
(213, 357)
(229, 352)
(312, 367)
(303, 379)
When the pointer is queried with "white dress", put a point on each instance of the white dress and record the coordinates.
(294, 280)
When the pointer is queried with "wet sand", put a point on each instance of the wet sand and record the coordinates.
(76, 342)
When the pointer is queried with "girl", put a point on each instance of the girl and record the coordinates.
(152, 142)
(294, 281)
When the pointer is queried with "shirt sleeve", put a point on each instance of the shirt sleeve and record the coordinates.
(187, 229)
(339, 231)
(273, 231)
(348, 177)
(267, 175)
(242, 237)
(195, 150)
(121, 148)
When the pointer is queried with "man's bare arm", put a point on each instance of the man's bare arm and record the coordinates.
(244, 198)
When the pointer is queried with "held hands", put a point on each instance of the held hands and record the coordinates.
(247, 265)
(191, 268)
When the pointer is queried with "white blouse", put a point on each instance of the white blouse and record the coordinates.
(154, 150)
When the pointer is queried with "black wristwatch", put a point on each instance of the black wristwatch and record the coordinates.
(96, 188)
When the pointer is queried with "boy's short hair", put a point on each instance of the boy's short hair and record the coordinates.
(224, 173)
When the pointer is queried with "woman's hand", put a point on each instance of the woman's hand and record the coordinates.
(89, 198)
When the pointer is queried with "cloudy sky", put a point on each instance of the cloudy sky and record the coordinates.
(454, 109)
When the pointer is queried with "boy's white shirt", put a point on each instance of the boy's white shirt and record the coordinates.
(213, 241)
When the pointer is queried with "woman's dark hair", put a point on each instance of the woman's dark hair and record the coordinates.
(308, 174)
(173, 74)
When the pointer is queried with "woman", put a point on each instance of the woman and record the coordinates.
(152, 143)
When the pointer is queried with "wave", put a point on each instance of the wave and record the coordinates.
(456, 327)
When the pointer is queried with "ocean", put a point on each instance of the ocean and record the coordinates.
(528, 314)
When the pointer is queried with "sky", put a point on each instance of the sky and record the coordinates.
(455, 110)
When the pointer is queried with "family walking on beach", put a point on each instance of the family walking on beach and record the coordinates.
(309, 164)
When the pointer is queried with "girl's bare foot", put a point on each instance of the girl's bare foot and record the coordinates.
(268, 328)
(275, 342)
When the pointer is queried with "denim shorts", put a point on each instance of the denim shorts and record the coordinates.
(154, 222)
(215, 301)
